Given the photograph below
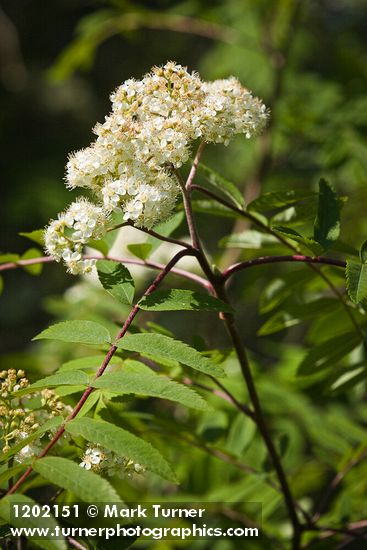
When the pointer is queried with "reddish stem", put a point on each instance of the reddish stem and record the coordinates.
(217, 282)
(276, 259)
(144, 263)
(153, 233)
(104, 365)
(194, 166)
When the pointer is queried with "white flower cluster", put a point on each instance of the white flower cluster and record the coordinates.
(102, 460)
(147, 136)
(230, 109)
(65, 237)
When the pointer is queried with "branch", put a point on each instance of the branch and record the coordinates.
(221, 454)
(224, 394)
(176, 23)
(218, 286)
(259, 417)
(103, 367)
(351, 531)
(132, 261)
(186, 190)
(281, 239)
(276, 259)
(152, 233)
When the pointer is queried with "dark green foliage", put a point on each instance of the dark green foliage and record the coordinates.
(327, 223)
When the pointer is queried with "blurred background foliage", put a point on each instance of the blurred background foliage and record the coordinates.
(60, 61)
(308, 61)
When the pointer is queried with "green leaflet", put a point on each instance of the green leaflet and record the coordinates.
(85, 484)
(8, 257)
(91, 401)
(166, 229)
(7, 473)
(81, 332)
(37, 236)
(92, 363)
(222, 184)
(145, 249)
(73, 378)
(177, 300)
(6, 505)
(30, 254)
(140, 250)
(281, 288)
(363, 252)
(328, 353)
(147, 383)
(356, 274)
(250, 238)
(240, 434)
(278, 200)
(117, 280)
(327, 223)
(122, 443)
(166, 347)
(299, 214)
(294, 314)
(104, 245)
(349, 379)
(213, 208)
(277, 322)
(308, 242)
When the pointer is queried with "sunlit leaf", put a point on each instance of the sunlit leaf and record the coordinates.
(356, 274)
(117, 280)
(327, 223)
(82, 332)
(177, 300)
(169, 348)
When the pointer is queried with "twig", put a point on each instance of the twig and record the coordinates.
(336, 482)
(176, 23)
(240, 406)
(132, 261)
(186, 190)
(152, 234)
(276, 259)
(76, 544)
(260, 420)
(327, 531)
(224, 394)
(103, 367)
(229, 459)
